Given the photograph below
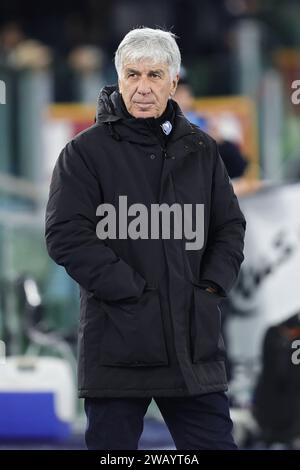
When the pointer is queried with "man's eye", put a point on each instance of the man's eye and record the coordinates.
(155, 75)
(131, 75)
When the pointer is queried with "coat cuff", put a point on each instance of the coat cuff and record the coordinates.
(219, 275)
(208, 283)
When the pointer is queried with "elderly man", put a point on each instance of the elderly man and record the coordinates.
(150, 318)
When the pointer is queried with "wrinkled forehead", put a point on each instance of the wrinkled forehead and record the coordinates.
(146, 66)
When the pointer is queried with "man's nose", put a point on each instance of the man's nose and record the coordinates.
(144, 87)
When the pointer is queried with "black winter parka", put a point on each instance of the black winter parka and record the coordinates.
(147, 325)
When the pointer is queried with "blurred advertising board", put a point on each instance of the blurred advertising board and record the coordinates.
(233, 118)
(267, 291)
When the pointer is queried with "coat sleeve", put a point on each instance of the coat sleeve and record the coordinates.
(224, 249)
(70, 231)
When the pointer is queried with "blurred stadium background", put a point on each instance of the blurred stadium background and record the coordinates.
(241, 64)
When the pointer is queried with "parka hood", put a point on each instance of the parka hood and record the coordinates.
(121, 127)
(107, 104)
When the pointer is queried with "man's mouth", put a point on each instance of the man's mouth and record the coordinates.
(143, 104)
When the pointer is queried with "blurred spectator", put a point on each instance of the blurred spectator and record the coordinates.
(31, 54)
(20, 52)
(86, 59)
(185, 99)
(226, 132)
(234, 161)
(11, 34)
(86, 62)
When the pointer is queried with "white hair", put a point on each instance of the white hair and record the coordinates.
(156, 45)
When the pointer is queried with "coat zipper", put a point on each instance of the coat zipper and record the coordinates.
(188, 325)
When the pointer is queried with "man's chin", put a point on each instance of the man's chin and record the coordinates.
(143, 111)
(145, 114)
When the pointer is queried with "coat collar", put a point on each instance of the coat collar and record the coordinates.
(183, 138)
(135, 129)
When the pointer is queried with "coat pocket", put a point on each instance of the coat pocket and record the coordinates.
(205, 326)
(133, 332)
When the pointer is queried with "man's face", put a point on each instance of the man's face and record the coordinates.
(145, 88)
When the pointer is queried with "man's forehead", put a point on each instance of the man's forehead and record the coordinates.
(145, 66)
